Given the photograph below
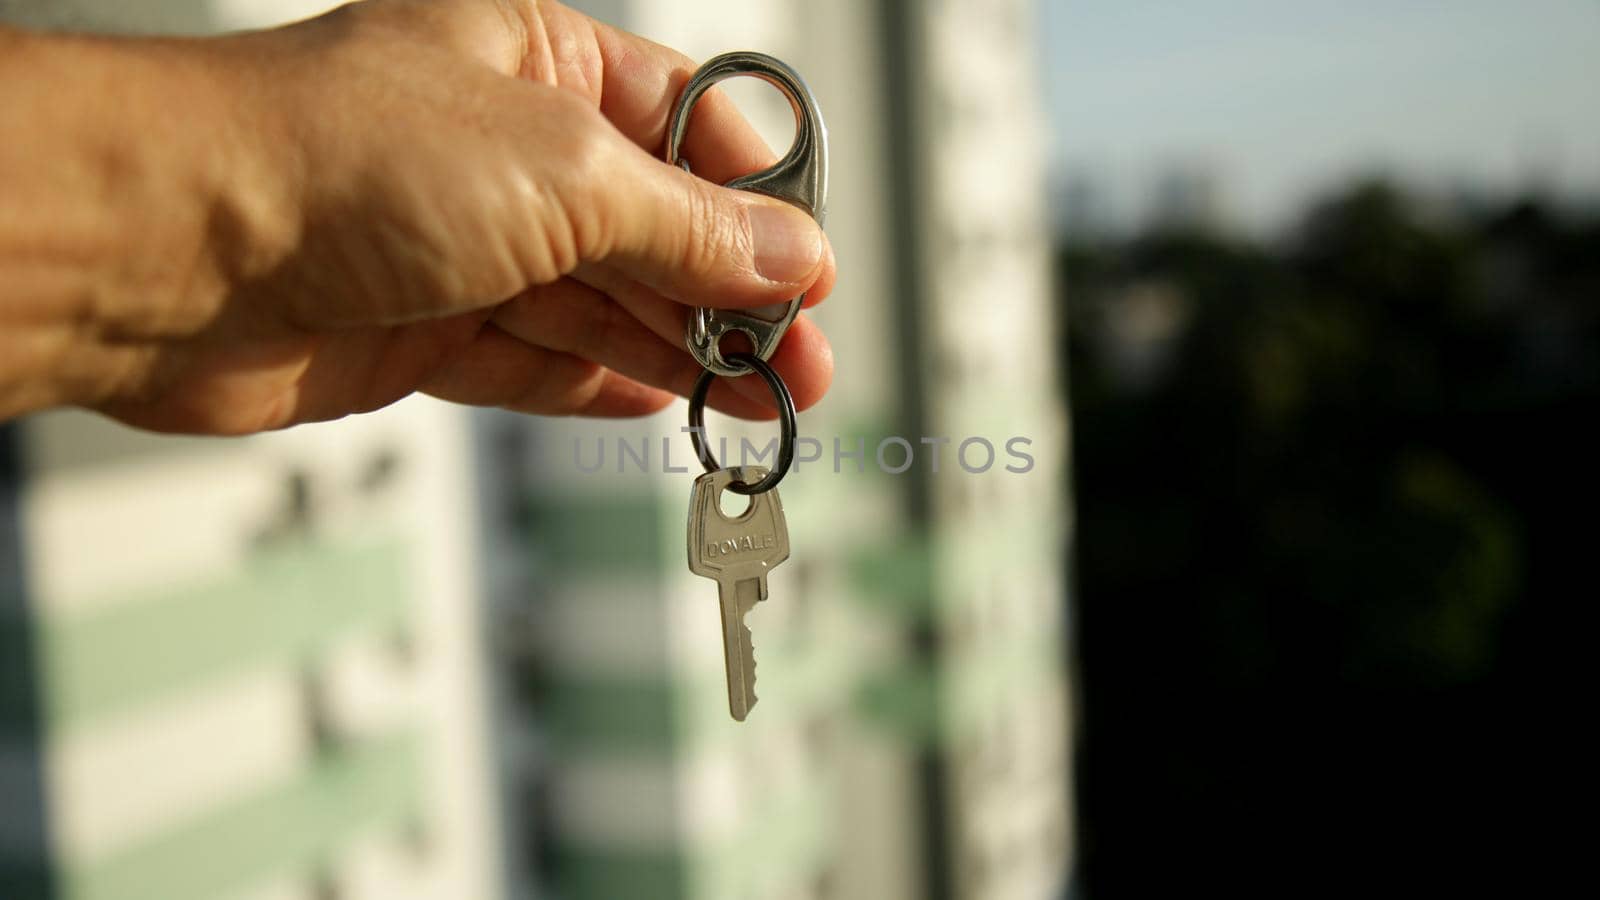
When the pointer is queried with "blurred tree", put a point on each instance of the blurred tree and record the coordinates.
(1329, 494)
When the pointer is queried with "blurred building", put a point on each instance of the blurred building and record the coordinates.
(243, 668)
(479, 669)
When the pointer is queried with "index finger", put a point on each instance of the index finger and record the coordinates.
(635, 82)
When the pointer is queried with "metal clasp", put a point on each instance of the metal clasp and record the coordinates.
(801, 178)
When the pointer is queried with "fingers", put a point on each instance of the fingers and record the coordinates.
(632, 80)
(805, 360)
(689, 239)
(500, 368)
(574, 318)
(762, 247)
(692, 241)
(635, 83)
(823, 286)
(497, 369)
(640, 334)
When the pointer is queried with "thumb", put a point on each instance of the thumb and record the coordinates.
(706, 245)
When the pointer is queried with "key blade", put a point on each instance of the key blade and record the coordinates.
(737, 552)
(737, 598)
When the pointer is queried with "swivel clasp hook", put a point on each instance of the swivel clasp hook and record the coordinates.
(800, 178)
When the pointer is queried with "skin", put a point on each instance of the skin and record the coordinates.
(461, 197)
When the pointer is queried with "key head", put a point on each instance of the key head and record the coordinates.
(735, 547)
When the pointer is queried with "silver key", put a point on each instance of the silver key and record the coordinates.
(738, 552)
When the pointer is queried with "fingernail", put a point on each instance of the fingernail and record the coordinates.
(787, 243)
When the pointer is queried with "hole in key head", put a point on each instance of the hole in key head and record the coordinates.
(734, 505)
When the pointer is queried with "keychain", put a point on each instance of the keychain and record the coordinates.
(739, 551)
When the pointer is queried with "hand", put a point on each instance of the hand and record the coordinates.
(461, 197)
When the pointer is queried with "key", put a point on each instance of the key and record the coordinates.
(738, 552)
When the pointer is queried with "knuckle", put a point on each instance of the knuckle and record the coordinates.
(573, 393)
(584, 394)
(559, 207)
(584, 180)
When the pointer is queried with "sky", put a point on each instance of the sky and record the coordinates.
(1282, 99)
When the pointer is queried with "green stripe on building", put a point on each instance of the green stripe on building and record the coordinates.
(281, 831)
(619, 872)
(281, 607)
(592, 534)
(615, 714)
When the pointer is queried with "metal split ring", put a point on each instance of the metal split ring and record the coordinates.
(786, 423)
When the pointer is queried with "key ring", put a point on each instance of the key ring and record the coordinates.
(786, 423)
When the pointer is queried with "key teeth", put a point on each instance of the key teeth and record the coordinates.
(750, 666)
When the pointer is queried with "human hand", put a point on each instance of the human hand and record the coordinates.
(462, 197)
